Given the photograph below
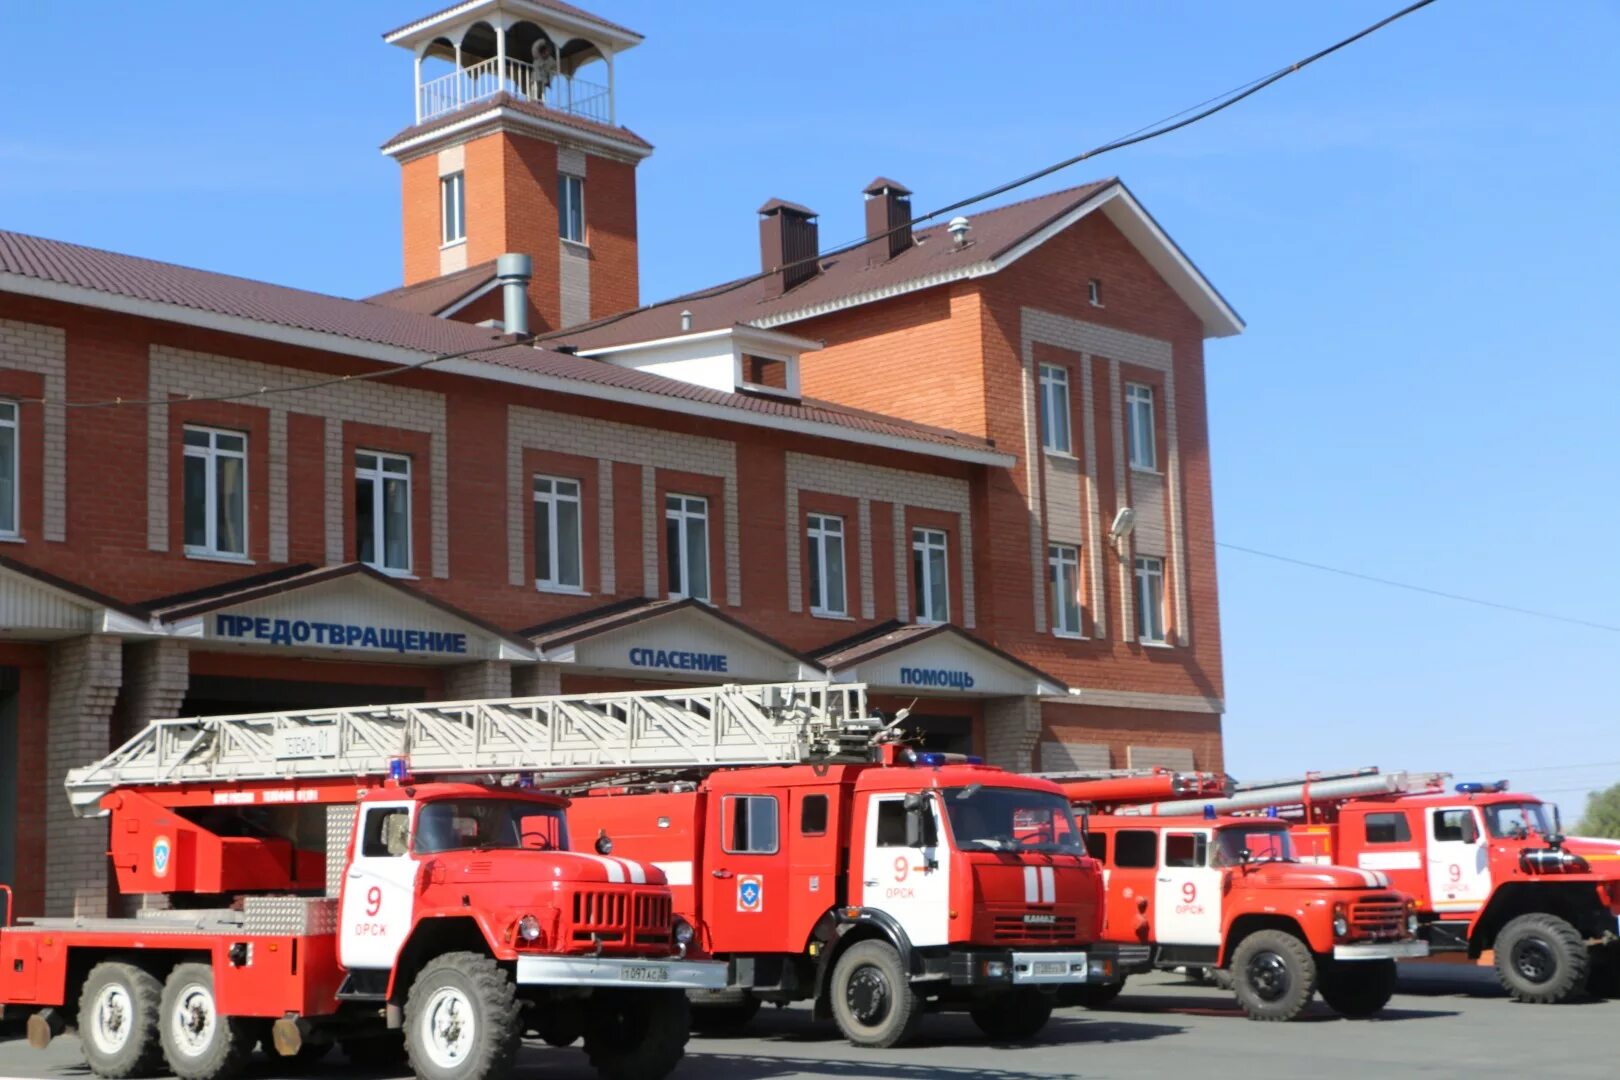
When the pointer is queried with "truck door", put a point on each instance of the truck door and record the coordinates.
(909, 881)
(1131, 885)
(1188, 890)
(1459, 866)
(746, 897)
(375, 909)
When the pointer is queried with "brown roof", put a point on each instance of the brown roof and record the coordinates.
(435, 294)
(521, 105)
(554, 5)
(628, 612)
(72, 588)
(842, 276)
(894, 635)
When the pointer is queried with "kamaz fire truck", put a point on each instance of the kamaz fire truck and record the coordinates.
(1193, 888)
(877, 890)
(393, 875)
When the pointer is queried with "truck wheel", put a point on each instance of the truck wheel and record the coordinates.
(637, 1034)
(1092, 995)
(872, 996)
(1273, 975)
(198, 1042)
(1013, 1015)
(728, 1019)
(1541, 959)
(1221, 977)
(118, 1021)
(462, 1019)
(1358, 990)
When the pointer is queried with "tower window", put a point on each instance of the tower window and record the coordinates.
(571, 207)
(453, 204)
(1094, 292)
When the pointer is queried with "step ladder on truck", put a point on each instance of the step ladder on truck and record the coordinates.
(395, 879)
(1199, 887)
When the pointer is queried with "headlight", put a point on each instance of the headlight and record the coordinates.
(1341, 926)
(1412, 924)
(683, 932)
(529, 928)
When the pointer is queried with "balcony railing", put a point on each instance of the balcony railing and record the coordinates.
(487, 78)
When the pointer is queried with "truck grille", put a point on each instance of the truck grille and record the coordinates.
(1378, 916)
(1013, 928)
(654, 915)
(614, 917)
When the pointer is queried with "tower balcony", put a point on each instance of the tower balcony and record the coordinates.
(498, 75)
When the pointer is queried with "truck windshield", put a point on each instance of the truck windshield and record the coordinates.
(1514, 821)
(1010, 819)
(486, 824)
(1263, 844)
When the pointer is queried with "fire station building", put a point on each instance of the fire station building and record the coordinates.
(965, 464)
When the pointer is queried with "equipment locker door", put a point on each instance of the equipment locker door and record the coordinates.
(1188, 890)
(1459, 860)
(375, 908)
(745, 873)
(912, 883)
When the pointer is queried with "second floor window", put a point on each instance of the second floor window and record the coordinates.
(931, 591)
(557, 541)
(1055, 408)
(1150, 600)
(827, 565)
(453, 202)
(9, 480)
(1144, 451)
(215, 492)
(1063, 565)
(571, 207)
(686, 545)
(382, 510)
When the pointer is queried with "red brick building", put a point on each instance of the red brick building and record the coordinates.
(967, 465)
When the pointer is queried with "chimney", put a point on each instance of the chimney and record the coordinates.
(888, 206)
(787, 234)
(513, 272)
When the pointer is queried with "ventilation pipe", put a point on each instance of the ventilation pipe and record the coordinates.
(513, 271)
(888, 215)
(787, 235)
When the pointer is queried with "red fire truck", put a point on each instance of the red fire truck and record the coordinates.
(877, 890)
(338, 876)
(1200, 890)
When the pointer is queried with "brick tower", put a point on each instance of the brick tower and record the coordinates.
(516, 148)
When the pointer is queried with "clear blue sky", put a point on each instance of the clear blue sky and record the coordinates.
(1421, 233)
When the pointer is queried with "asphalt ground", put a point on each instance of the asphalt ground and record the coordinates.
(1445, 1021)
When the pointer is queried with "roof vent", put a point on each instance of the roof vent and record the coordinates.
(513, 271)
(959, 228)
(888, 215)
(686, 321)
(788, 245)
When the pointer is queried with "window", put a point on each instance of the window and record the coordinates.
(571, 207)
(1055, 408)
(750, 822)
(215, 492)
(813, 816)
(1150, 600)
(9, 482)
(932, 598)
(1388, 829)
(1097, 846)
(557, 543)
(1186, 850)
(686, 545)
(1455, 825)
(891, 823)
(487, 824)
(1136, 849)
(1063, 562)
(453, 206)
(387, 832)
(382, 510)
(1139, 426)
(827, 565)
(1094, 292)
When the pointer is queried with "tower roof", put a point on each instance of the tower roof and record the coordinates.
(554, 12)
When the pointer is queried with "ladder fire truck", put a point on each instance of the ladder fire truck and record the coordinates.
(394, 876)
(877, 890)
(1197, 888)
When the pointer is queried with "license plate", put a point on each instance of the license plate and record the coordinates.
(1051, 967)
(643, 973)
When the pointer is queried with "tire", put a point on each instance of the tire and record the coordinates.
(873, 1000)
(1541, 959)
(725, 1019)
(1221, 977)
(118, 1021)
(637, 1034)
(462, 1019)
(1273, 975)
(1093, 995)
(1013, 1015)
(198, 1042)
(380, 1050)
(1360, 989)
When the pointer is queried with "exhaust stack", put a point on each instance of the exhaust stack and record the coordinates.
(513, 271)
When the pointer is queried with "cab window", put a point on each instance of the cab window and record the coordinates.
(1097, 846)
(1185, 849)
(1136, 849)
(1455, 825)
(750, 824)
(387, 832)
(813, 816)
(891, 823)
(1388, 829)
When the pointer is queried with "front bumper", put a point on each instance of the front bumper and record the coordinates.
(1011, 967)
(1382, 950)
(624, 974)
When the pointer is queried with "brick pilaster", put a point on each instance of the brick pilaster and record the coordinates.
(535, 680)
(85, 675)
(479, 679)
(1011, 728)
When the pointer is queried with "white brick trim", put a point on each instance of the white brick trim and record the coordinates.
(42, 350)
(1125, 555)
(604, 526)
(1093, 503)
(1135, 699)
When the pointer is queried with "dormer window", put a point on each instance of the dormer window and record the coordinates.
(765, 374)
(734, 359)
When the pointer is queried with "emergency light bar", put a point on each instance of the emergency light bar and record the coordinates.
(934, 758)
(1475, 787)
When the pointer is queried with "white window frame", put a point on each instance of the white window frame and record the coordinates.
(452, 208)
(820, 529)
(1094, 292)
(211, 455)
(1055, 410)
(1150, 628)
(1140, 427)
(11, 421)
(1063, 577)
(546, 577)
(926, 543)
(570, 198)
(379, 536)
(691, 508)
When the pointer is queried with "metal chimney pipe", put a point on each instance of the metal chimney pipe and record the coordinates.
(513, 271)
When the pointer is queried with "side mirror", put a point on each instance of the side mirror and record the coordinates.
(604, 842)
(1245, 856)
(920, 831)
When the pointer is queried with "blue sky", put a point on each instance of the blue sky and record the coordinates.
(1420, 231)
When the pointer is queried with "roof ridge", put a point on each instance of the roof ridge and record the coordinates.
(1090, 184)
